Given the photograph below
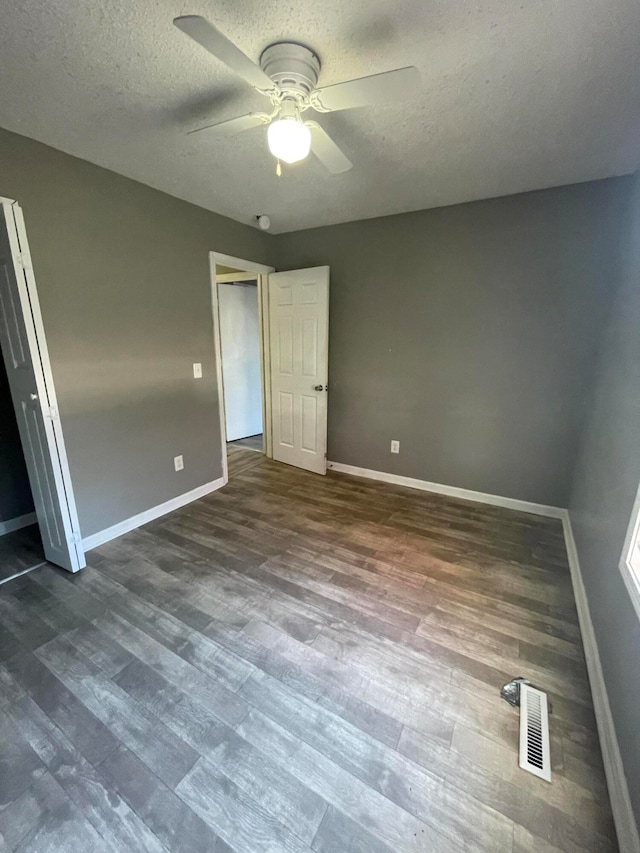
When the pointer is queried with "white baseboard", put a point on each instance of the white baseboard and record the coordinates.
(128, 524)
(17, 523)
(450, 491)
(623, 816)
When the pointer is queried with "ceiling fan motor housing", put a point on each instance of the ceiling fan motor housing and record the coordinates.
(292, 67)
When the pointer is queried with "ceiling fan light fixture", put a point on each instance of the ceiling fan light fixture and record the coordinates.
(288, 76)
(289, 139)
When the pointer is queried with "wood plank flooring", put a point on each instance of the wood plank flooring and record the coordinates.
(297, 663)
(251, 442)
(241, 458)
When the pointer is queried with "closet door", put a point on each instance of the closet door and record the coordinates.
(24, 350)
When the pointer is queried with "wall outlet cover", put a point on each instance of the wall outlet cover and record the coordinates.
(197, 370)
(178, 463)
(395, 446)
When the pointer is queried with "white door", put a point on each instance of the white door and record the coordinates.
(240, 349)
(26, 358)
(299, 330)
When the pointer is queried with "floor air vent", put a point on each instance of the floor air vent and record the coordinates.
(534, 732)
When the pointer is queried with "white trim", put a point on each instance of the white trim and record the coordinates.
(148, 515)
(629, 578)
(17, 523)
(232, 277)
(219, 378)
(261, 271)
(265, 364)
(241, 264)
(450, 491)
(630, 556)
(623, 816)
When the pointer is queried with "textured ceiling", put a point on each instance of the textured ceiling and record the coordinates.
(517, 95)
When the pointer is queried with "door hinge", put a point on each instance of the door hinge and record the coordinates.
(24, 261)
(75, 537)
(52, 413)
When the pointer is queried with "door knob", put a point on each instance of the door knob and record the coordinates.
(33, 396)
(317, 387)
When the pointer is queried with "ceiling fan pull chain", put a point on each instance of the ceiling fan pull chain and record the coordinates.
(278, 169)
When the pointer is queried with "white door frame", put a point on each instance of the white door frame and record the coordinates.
(260, 273)
(37, 341)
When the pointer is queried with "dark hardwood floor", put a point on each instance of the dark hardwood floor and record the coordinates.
(251, 442)
(241, 458)
(299, 663)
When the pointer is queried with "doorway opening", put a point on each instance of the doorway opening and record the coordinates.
(293, 328)
(241, 344)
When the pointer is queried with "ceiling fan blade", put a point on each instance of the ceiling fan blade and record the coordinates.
(211, 39)
(233, 126)
(326, 150)
(398, 85)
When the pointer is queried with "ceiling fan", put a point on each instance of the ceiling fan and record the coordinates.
(287, 75)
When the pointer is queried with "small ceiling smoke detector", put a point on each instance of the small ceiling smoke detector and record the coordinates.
(263, 222)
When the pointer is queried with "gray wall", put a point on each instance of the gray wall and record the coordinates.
(123, 277)
(468, 333)
(15, 491)
(604, 488)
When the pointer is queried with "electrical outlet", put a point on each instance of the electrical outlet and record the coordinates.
(178, 463)
(395, 447)
(197, 370)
